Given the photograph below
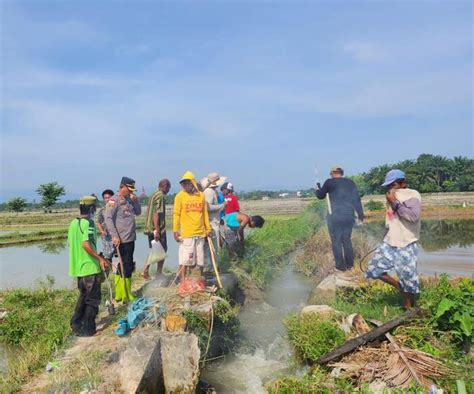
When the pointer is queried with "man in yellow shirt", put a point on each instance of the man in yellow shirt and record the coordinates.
(190, 224)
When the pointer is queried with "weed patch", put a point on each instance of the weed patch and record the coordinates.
(312, 337)
(37, 325)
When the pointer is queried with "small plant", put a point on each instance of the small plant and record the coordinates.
(373, 205)
(451, 308)
(313, 337)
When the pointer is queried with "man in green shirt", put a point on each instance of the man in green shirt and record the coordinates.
(155, 224)
(85, 264)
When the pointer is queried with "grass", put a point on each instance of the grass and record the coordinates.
(36, 326)
(81, 374)
(313, 337)
(265, 247)
(428, 333)
(373, 301)
(316, 381)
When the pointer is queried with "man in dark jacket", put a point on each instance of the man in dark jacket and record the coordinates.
(343, 199)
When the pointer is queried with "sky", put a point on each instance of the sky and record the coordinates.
(264, 92)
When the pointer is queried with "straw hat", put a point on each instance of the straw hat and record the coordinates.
(213, 179)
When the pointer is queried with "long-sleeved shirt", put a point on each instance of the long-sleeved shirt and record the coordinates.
(120, 217)
(190, 215)
(213, 206)
(403, 218)
(344, 198)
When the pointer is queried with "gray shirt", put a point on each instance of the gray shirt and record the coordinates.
(213, 207)
(120, 217)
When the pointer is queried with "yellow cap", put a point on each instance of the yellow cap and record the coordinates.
(88, 200)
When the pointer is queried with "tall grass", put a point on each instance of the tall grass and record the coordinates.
(265, 247)
(36, 325)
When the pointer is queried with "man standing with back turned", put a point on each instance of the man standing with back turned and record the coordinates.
(85, 265)
(343, 199)
(120, 221)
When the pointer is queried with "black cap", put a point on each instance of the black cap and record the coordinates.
(129, 182)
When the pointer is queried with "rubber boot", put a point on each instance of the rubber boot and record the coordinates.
(128, 285)
(119, 289)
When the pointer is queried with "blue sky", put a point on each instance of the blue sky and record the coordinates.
(259, 91)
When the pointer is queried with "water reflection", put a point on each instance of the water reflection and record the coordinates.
(53, 247)
(435, 234)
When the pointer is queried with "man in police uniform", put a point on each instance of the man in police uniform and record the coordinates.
(120, 221)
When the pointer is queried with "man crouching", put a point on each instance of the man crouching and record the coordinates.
(85, 265)
(399, 249)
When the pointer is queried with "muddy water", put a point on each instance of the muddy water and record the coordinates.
(25, 266)
(265, 351)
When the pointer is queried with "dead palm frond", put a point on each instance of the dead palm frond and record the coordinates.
(405, 365)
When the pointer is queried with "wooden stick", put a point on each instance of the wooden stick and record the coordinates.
(213, 259)
(354, 343)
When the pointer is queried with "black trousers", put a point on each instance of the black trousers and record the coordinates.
(87, 307)
(126, 251)
(340, 230)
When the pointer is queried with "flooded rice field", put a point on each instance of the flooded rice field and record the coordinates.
(446, 246)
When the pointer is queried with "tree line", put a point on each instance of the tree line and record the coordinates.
(427, 174)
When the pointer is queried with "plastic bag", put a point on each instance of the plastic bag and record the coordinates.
(157, 253)
(191, 285)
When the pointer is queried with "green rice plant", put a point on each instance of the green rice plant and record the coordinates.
(312, 337)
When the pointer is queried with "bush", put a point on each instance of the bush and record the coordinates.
(451, 307)
(312, 337)
(375, 205)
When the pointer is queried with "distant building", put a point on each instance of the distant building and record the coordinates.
(298, 194)
(266, 198)
(142, 194)
(283, 195)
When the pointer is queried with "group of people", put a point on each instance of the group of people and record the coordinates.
(204, 212)
(206, 215)
(398, 250)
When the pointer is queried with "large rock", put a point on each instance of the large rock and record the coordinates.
(159, 362)
(325, 291)
(140, 363)
(180, 362)
(325, 312)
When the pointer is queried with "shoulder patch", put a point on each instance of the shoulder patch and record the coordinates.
(111, 203)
